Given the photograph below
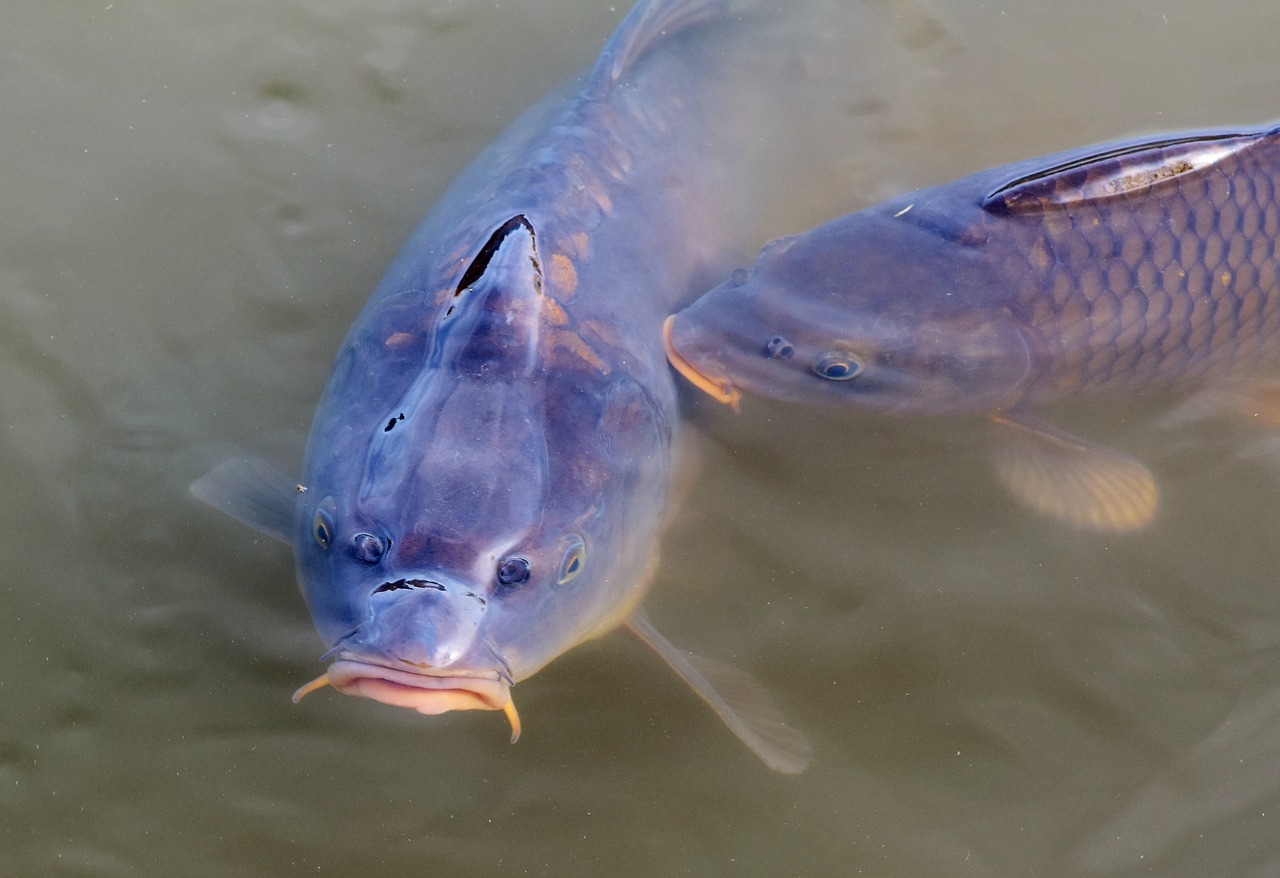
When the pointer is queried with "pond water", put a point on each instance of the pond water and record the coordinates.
(198, 198)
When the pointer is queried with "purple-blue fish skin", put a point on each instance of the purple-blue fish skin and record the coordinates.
(1130, 266)
(486, 477)
(487, 469)
(1149, 264)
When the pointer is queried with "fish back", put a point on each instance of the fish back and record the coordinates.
(1145, 264)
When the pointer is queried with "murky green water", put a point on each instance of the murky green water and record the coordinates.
(197, 198)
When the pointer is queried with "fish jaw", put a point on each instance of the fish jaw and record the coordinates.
(421, 647)
(427, 693)
(718, 387)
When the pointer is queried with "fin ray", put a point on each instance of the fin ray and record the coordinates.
(1070, 479)
(744, 706)
(1123, 169)
(252, 492)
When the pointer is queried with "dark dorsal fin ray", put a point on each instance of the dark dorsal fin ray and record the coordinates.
(1123, 169)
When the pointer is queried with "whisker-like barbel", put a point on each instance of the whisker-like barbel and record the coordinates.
(488, 468)
(306, 689)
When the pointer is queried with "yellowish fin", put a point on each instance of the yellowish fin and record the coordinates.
(1072, 480)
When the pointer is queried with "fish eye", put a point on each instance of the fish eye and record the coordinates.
(837, 366)
(514, 571)
(575, 556)
(322, 529)
(778, 348)
(368, 547)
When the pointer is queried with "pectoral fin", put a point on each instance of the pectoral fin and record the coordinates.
(1071, 479)
(253, 493)
(746, 708)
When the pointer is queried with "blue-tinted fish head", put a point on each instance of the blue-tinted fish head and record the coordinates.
(867, 311)
(467, 522)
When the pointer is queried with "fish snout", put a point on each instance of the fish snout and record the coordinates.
(421, 622)
(421, 647)
(681, 343)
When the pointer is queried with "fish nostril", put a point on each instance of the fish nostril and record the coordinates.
(778, 348)
(368, 547)
(401, 584)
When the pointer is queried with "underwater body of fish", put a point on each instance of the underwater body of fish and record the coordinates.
(487, 473)
(1142, 265)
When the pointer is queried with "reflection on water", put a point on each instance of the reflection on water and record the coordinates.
(198, 199)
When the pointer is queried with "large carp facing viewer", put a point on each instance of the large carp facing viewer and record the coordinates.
(487, 472)
(1142, 265)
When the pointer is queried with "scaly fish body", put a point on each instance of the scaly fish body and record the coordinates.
(487, 472)
(1147, 264)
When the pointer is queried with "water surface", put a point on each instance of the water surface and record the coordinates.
(198, 198)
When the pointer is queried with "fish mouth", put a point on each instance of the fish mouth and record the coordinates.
(721, 390)
(428, 691)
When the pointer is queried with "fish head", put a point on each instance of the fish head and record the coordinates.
(475, 510)
(868, 311)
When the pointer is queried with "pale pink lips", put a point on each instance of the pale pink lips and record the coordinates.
(427, 693)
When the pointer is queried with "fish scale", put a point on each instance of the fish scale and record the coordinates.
(1151, 267)
(1142, 265)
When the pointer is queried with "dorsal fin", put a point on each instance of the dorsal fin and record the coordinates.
(648, 24)
(1125, 169)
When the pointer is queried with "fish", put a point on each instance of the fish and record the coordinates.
(1134, 267)
(487, 474)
